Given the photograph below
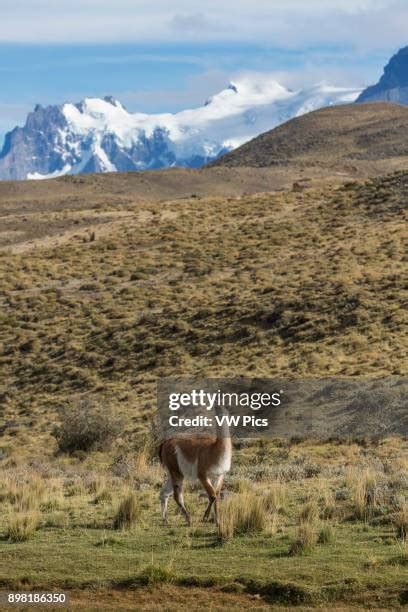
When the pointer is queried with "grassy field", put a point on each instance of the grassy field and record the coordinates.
(102, 297)
(325, 524)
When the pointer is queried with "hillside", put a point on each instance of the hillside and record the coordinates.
(118, 292)
(338, 137)
(110, 282)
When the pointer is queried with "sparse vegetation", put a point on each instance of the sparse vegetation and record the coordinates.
(86, 426)
(309, 282)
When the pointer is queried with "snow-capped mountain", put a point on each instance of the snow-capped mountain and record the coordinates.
(100, 135)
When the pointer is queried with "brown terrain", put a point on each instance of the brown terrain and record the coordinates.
(331, 145)
(293, 268)
(364, 139)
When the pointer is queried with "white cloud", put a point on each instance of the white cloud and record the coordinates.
(195, 92)
(368, 24)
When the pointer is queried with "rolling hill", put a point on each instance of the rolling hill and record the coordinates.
(336, 137)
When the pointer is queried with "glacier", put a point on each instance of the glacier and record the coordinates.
(100, 135)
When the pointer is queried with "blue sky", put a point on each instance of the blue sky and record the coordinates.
(161, 56)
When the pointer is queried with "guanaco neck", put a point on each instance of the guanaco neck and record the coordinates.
(222, 431)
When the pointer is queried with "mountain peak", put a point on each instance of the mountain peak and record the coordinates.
(111, 100)
(100, 135)
(393, 84)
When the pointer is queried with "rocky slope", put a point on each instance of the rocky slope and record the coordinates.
(393, 85)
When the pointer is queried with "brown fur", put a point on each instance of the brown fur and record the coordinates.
(203, 450)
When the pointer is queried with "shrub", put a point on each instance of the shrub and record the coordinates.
(128, 513)
(22, 526)
(85, 426)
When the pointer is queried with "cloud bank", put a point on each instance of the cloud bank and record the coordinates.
(365, 24)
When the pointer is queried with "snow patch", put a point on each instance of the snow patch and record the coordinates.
(36, 176)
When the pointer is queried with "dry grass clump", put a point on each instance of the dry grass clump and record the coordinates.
(22, 526)
(365, 492)
(276, 497)
(74, 487)
(54, 499)
(309, 512)
(94, 483)
(26, 491)
(128, 513)
(242, 514)
(326, 534)
(308, 529)
(103, 496)
(326, 499)
(306, 539)
(400, 521)
(241, 485)
(144, 470)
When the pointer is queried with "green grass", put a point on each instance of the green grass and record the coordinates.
(73, 559)
(354, 562)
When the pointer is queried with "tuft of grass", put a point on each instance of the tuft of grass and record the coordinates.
(307, 531)
(306, 539)
(128, 513)
(326, 534)
(103, 496)
(326, 499)
(153, 574)
(242, 486)
(309, 512)
(365, 492)
(276, 497)
(27, 493)
(400, 521)
(242, 514)
(22, 526)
